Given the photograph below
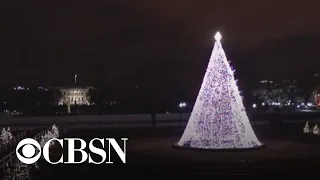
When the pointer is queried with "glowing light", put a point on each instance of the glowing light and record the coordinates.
(254, 105)
(183, 104)
(306, 128)
(263, 104)
(219, 119)
(218, 37)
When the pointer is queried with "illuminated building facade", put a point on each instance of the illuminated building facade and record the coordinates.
(75, 95)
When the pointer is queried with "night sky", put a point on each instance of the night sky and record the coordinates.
(161, 44)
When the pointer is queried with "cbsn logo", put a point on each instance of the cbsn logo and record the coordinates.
(28, 150)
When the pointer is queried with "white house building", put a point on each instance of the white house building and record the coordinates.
(74, 95)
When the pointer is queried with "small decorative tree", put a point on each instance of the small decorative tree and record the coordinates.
(4, 137)
(55, 131)
(52, 133)
(316, 130)
(306, 128)
(9, 134)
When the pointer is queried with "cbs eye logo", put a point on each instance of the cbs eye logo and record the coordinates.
(28, 151)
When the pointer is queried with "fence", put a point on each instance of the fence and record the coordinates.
(9, 159)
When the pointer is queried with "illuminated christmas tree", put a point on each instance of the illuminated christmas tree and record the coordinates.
(4, 137)
(218, 119)
(306, 128)
(52, 133)
(9, 134)
(316, 130)
(55, 131)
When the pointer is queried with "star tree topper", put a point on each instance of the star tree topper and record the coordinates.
(218, 36)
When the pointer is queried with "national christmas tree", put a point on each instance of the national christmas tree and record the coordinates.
(218, 119)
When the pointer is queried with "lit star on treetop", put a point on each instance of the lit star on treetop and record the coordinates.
(218, 36)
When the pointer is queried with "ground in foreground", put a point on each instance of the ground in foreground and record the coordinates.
(150, 155)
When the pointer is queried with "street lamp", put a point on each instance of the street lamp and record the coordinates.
(181, 106)
(254, 105)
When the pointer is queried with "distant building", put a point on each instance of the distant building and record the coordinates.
(75, 94)
(266, 82)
